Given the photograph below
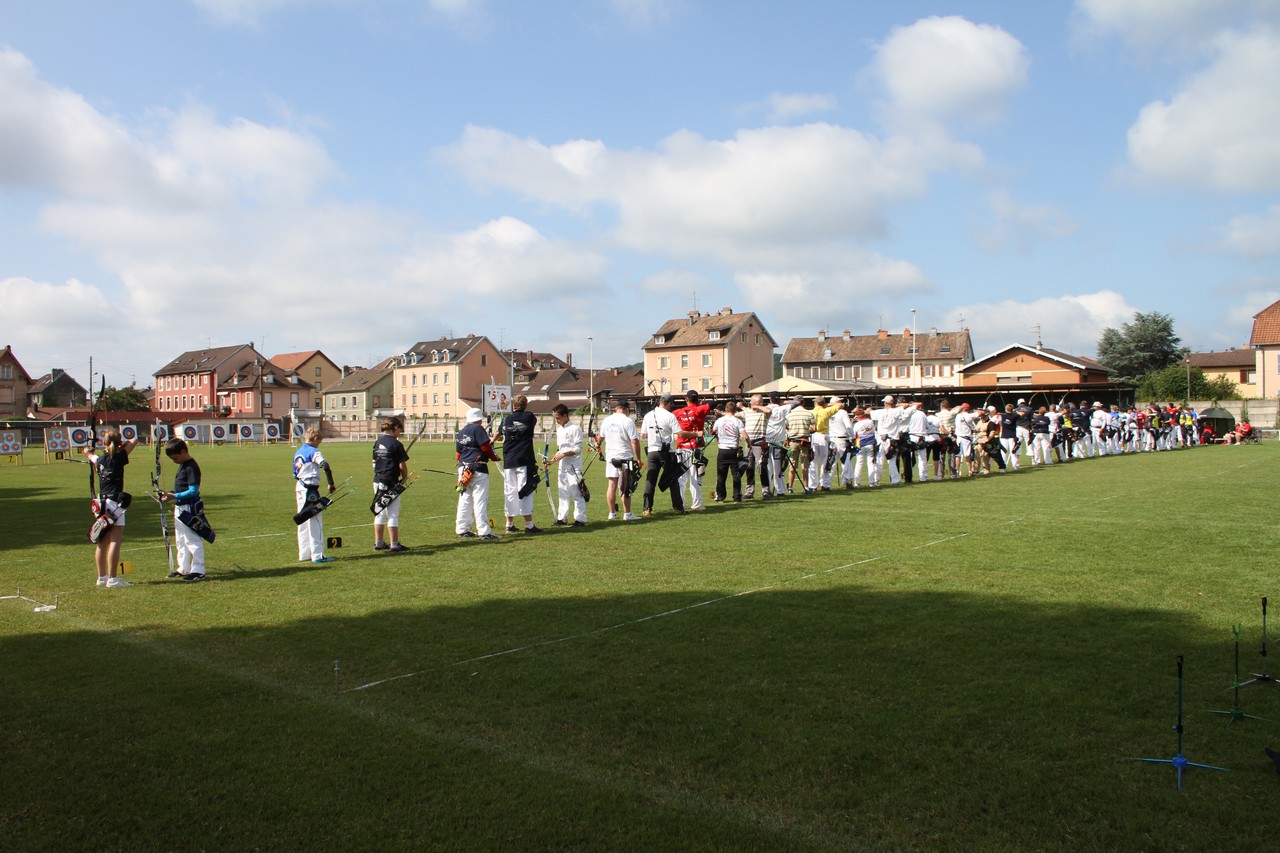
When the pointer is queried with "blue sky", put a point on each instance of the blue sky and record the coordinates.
(357, 176)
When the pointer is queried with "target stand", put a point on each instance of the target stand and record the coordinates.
(1179, 761)
(1235, 715)
(1262, 677)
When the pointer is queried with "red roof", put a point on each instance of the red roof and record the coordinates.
(1266, 326)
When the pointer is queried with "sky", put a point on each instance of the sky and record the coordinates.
(355, 176)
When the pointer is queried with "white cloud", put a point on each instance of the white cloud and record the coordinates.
(943, 69)
(645, 14)
(766, 189)
(1019, 227)
(505, 259)
(1253, 235)
(1182, 26)
(1071, 323)
(1222, 131)
(245, 13)
(807, 297)
(785, 107)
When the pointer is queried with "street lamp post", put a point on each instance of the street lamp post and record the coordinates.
(915, 379)
(591, 374)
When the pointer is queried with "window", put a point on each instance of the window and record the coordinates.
(884, 350)
(415, 399)
(343, 403)
(377, 401)
(403, 401)
(415, 380)
(715, 335)
(757, 340)
(6, 371)
(319, 387)
(293, 400)
(883, 371)
(446, 398)
(797, 372)
(1248, 377)
(684, 362)
(815, 372)
(435, 357)
(248, 401)
(664, 363)
(404, 381)
(445, 358)
(706, 384)
(660, 339)
(684, 384)
(266, 399)
(902, 370)
(446, 378)
(435, 399)
(837, 372)
(744, 337)
(484, 360)
(706, 359)
(944, 349)
(435, 379)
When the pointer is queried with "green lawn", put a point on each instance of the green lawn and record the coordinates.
(948, 666)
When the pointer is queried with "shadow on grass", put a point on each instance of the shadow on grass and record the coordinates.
(830, 719)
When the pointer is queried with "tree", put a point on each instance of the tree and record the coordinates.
(122, 400)
(1170, 385)
(1140, 348)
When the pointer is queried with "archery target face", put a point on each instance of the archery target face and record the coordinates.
(129, 432)
(219, 432)
(273, 431)
(159, 432)
(189, 432)
(10, 444)
(56, 440)
(80, 436)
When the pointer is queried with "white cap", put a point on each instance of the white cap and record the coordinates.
(474, 416)
(1021, 401)
(888, 399)
(1097, 405)
(991, 408)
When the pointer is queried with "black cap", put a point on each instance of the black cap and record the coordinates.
(667, 398)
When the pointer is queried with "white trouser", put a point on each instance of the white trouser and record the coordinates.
(1024, 435)
(922, 459)
(778, 467)
(1010, 445)
(689, 480)
(311, 531)
(868, 455)
(390, 517)
(473, 504)
(819, 476)
(838, 446)
(513, 480)
(882, 456)
(567, 478)
(1099, 443)
(1042, 449)
(189, 548)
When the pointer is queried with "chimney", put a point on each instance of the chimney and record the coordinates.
(822, 335)
(568, 359)
(847, 334)
(882, 335)
(933, 331)
(693, 317)
(906, 334)
(726, 311)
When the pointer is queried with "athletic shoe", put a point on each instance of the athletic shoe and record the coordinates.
(560, 522)
(696, 508)
(579, 524)
(102, 580)
(117, 583)
(534, 529)
(466, 534)
(174, 574)
(193, 577)
(396, 547)
(751, 492)
(491, 537)
(511, 528)
(380, 546)
(631, 516)
(679, 512)
(647, 513)
(322, 560)
(612, 516)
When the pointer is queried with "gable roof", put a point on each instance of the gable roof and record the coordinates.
(1266, 326)
(1075, 362)
(929, 347)
(7, 352)
(289, 361)
(211, 359)
(362, 378)
(458, 348)
(272, 377)
(1232, 358)
(695, 330)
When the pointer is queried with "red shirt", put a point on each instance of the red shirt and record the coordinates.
(693, 419)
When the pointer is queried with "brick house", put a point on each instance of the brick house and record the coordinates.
(443, 378)
(15, 385)
(312, 367)
(709, 353)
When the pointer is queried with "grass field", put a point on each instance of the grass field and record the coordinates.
(948, 666)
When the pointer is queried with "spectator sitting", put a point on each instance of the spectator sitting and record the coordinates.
(1242, 433)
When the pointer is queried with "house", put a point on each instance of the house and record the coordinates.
(191, 381)
(443, 378)
(360, 392)
(260, 389)
(56, 389)
(528, 362)
(1239, 365)
(1022, 368)
(1265, 339)
(312, 367)
(15, 385)
(709, 353)
(931, 360)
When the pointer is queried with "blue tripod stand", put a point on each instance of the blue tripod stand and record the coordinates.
(1179, 761)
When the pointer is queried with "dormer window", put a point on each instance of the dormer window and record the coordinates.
(446, 356)
(435, 356)
(660, 339)
(715, 334)
(884, 350)
(944, 349)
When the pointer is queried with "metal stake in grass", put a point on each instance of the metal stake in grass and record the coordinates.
(1235, 714)
(1262, 677)
(1179, 761)
(337, 677)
